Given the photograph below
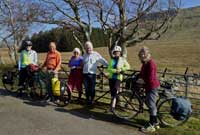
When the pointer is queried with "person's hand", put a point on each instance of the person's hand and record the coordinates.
(73, 67)
(55, 71)
(118, 70)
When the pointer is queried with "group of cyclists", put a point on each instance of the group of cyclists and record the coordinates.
(83, 69)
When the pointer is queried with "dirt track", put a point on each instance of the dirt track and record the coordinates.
(22, 117)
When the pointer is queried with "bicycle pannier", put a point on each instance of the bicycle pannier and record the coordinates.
(55, 86)
(7, 78)
(181, 108)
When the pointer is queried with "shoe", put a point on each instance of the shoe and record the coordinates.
(48, 99)
(156, 125)
(66, 102)
(148, 128)
(57, 101)
(19, 95)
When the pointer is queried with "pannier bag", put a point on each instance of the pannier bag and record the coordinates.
(33, 67)
(7, 78)
(181, 108)
(55, 86)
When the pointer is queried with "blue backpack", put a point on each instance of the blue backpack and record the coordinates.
(181, 108)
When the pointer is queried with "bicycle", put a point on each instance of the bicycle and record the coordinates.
(130, 103)
(10, 82)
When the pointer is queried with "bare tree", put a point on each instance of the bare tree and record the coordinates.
(125, 22)
(75, 15)
(15, 20)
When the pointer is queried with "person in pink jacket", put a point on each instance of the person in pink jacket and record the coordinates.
(149, 75)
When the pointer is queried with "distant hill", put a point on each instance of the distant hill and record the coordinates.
(186, 26)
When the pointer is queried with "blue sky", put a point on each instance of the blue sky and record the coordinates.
(184, 4)
(190, 3)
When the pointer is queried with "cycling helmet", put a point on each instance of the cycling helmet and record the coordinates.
(117, 49)
(26, 43)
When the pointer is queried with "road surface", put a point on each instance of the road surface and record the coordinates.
(23, 117)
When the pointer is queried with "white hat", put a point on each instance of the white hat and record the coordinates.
(77, 50)
(117, 49)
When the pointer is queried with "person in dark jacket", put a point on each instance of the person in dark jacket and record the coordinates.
(149, 75)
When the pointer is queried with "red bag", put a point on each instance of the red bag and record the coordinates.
(33, 67)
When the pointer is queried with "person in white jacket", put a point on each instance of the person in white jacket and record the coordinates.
(91, 59)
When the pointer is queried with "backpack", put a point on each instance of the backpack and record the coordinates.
(7, 78)
(181, 108)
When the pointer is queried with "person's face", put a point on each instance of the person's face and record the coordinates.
(142, 56)
(76, 54)
(89, 49)
(117, 54)
(52, 47)
(28, 48)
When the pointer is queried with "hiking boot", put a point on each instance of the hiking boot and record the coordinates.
(156, 125)
(148, 128)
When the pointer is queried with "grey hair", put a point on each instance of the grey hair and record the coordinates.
(88, 44)
(145, 50)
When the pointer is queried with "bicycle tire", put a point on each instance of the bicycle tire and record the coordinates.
(164, 114)
(12, 87)
(40, 89)
(128, 105)
(65, 96)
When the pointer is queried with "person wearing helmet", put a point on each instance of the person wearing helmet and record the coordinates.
(117, 66)
(27, 57)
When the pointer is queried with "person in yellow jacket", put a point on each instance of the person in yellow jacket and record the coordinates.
(27, 57)
(117, 66)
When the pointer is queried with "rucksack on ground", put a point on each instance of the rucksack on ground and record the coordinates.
(181, 108)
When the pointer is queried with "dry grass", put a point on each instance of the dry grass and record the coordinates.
(173, 55)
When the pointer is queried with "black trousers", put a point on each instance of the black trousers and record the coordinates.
(24, 76)
(114, 85)
(89, 81)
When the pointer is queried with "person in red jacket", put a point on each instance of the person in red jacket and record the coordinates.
(149, 75)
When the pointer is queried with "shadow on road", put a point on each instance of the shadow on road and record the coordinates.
(36, 103)
(27, 100)
(85, 112)
(4, 92)
(97, 114)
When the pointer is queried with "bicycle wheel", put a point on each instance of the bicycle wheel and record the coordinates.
(40, 89)
(127, 106)
(65, 95)
(164, 114)
(11, 85)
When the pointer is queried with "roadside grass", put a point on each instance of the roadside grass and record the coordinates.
(174, 55)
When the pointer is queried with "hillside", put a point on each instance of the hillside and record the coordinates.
(177, 49)
(185, 27)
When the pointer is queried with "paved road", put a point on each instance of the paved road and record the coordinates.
(22, 117)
